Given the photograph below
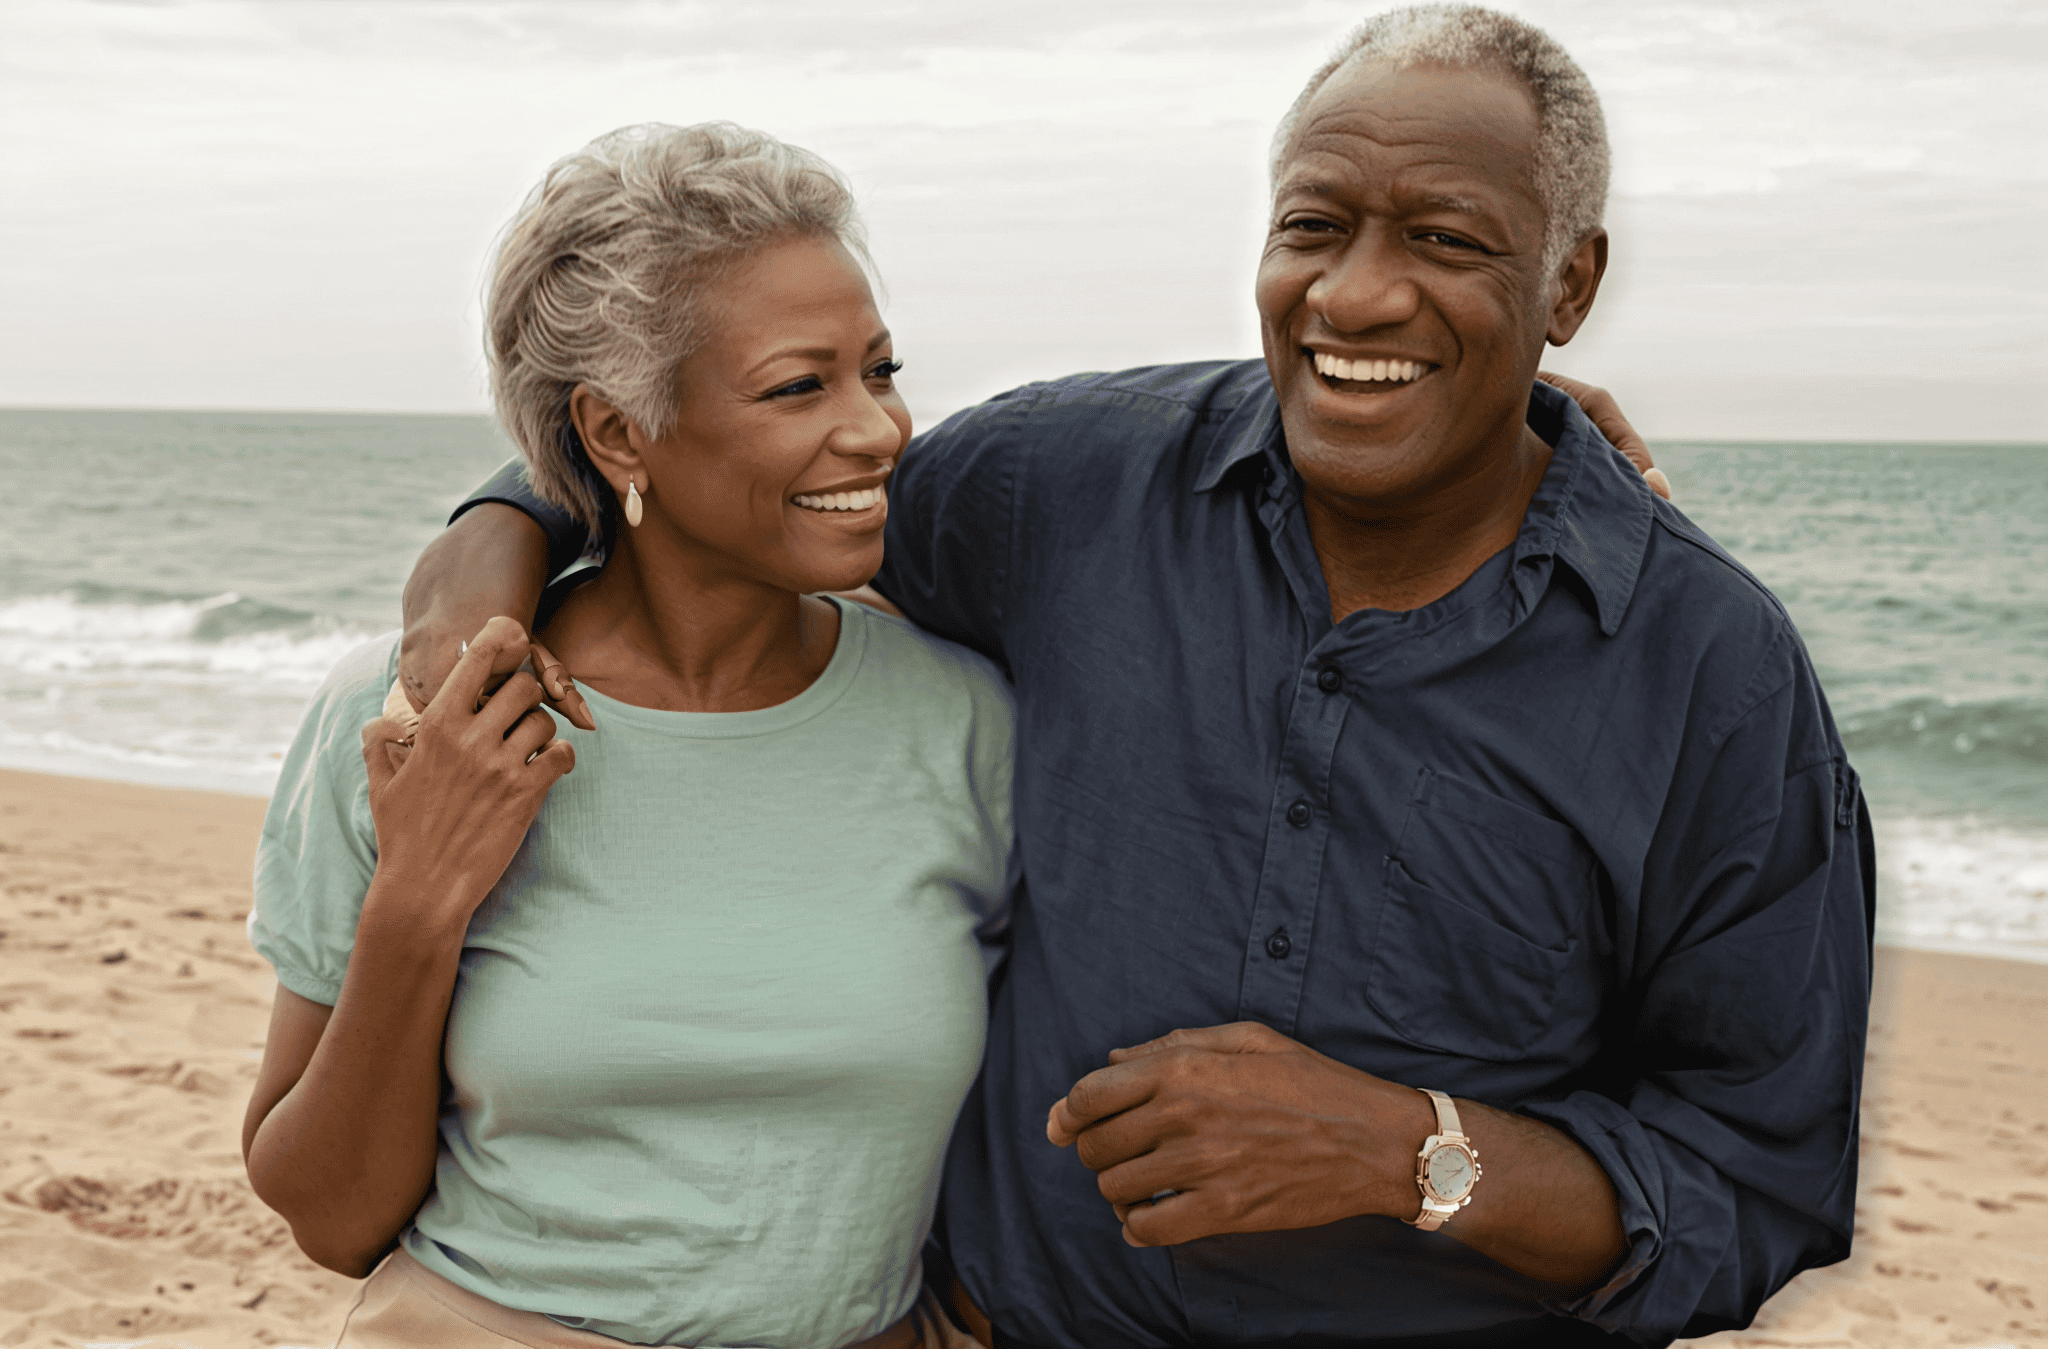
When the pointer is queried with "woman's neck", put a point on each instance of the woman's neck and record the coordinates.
(656, 631)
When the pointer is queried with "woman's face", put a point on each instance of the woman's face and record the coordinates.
(788, 427)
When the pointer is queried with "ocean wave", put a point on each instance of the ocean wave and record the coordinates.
(93, 629)
(2013, 730)
(1963, 883)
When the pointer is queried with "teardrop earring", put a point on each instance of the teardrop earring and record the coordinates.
(632, 503)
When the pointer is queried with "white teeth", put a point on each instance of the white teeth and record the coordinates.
(841, 501)
(1369, 371)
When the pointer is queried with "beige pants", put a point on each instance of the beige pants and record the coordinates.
(405, 1305)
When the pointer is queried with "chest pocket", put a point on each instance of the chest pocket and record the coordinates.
(1482, 946)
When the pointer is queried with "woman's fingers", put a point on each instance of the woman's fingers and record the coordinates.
(530, 735)
(384, 750)
(560, 690)
(515, 698)
(1601, 409)
(493, 653)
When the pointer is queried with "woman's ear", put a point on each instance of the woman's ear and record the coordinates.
(609, 437)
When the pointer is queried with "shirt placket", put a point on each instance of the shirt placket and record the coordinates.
(1297, 836)
(1283, 920)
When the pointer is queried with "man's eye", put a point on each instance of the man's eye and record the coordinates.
(1308, 225)
(885, 370)
(1449, 240)
(808, 384)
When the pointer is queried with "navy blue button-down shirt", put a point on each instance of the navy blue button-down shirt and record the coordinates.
(1577, 840)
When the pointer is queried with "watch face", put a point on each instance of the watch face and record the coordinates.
(1450, 1172)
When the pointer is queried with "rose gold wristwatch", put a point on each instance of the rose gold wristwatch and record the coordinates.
(1446, 1169)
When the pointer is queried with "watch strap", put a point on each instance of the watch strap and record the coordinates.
(1446, 1113)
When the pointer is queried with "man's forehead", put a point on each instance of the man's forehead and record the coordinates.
(1457, 135)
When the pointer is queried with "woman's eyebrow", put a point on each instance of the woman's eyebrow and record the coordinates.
(825, 354)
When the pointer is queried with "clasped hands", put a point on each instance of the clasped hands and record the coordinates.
(1248, 1130)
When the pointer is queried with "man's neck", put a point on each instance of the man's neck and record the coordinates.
(1405, 557)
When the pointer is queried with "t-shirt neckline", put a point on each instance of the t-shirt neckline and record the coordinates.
(831, 683)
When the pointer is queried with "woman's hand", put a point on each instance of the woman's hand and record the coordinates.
(1601, 409)
(491, 561)
(451, 809)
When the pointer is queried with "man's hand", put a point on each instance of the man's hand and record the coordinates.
(1249, 1130)
(1239, 1129)
(1601, 409)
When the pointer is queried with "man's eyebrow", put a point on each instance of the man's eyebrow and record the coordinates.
(1450, 201)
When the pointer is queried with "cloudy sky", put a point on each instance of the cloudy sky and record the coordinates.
(1827, 213)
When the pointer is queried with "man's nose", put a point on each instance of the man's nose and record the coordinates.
(1367, 286)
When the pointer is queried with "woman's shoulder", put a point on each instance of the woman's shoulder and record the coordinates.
(919, 664)
(352, 693)
(902, 647)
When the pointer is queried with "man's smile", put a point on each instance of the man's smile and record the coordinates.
(1365, 374)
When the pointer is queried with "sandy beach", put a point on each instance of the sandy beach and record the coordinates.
(132, 1015)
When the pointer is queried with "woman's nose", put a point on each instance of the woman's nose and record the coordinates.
(869, 431)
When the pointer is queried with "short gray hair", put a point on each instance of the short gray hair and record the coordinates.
(600, 279)
(1572, 163)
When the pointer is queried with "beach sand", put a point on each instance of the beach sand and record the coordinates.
(132, 1015)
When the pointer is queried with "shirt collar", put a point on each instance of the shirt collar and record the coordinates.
(1592, 511)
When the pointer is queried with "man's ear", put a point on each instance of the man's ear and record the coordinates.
(1578, 281)
(610, 438)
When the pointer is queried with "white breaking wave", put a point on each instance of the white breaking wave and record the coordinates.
(197, 692)
(1962, 884)
(57, 635)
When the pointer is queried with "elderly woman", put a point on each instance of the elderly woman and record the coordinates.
(707, 1006)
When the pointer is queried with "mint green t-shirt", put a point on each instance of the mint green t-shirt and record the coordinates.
(712, 1028)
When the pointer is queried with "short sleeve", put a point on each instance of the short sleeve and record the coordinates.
(318, 849)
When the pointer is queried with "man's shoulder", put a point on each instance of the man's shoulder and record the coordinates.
(1117, 413)
(1693, 593)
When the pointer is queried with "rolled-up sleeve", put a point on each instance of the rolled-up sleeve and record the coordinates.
(568, 540)
(1746, 962)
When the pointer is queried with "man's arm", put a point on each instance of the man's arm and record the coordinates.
(1254, 1132)
(494, 559)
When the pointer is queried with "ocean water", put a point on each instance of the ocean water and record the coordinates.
(174, 585)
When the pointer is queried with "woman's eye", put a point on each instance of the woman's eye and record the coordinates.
(885, 370)
(808, 384)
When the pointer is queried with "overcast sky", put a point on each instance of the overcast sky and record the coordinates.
(1827, 215)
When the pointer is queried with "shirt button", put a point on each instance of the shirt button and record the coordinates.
(1299, 814)
(1277, 945)
(1329, 681)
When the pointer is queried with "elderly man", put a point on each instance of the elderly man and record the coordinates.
(1446, 903)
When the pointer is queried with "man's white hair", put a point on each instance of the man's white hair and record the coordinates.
(1571, 140)
(601, 279)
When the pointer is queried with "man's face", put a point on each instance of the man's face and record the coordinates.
(1402, 295)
